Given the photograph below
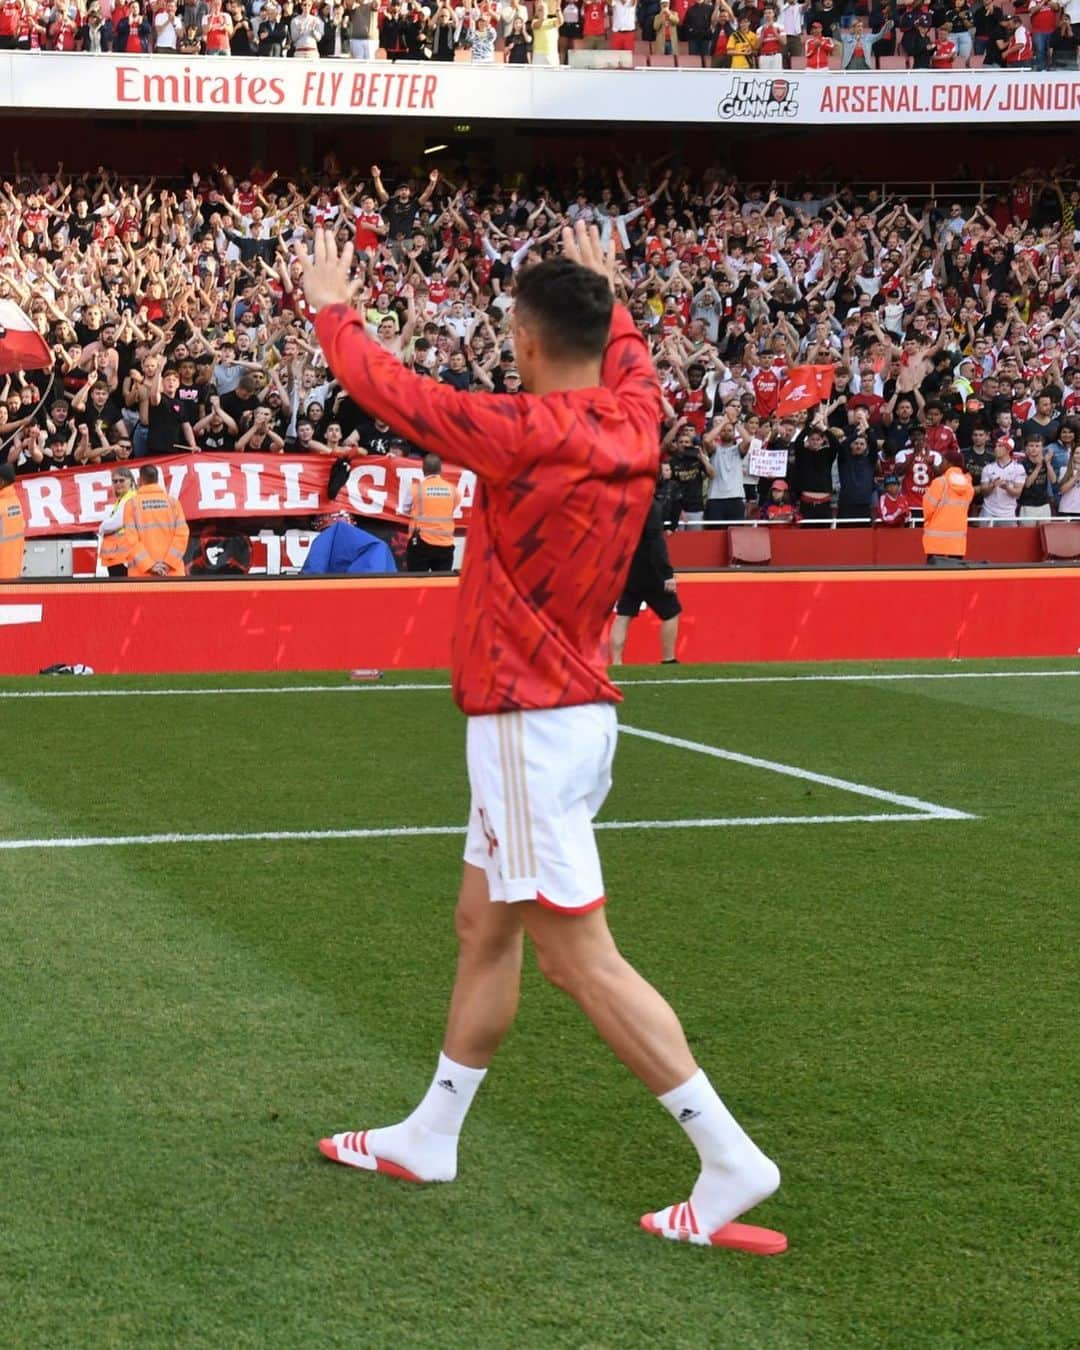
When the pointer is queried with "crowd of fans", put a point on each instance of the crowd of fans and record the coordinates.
(177, 322)
(739, 34)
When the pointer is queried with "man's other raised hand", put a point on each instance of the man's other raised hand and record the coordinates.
(581, 242)
(327, 274)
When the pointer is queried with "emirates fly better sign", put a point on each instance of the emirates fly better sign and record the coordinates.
(250, 85)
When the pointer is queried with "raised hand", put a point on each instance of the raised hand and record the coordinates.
(326, 274)
(582, 245)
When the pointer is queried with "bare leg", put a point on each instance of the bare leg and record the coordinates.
(577, 953)
(423, 1146)
(669, 632)
(488, 980)
(619, 629)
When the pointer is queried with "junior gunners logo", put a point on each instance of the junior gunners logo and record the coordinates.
(760, 98)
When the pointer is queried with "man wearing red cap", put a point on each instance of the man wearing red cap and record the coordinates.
(778, 508)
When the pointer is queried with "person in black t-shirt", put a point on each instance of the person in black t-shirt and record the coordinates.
(811, 462)
(242, 403)
(978, 454)
(688, 474)
(667, 497)
(456, 372)
(94, 406)
(41, 452)
(1034, 499)
(400, 210)
(167, 419)
(189, 391)
(651, 581)
(376, 438)
(217, 430)
(1044, 423)
(99, 419)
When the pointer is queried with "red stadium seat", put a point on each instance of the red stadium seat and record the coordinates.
(749, 544)
(1060, 539)
(666, 62)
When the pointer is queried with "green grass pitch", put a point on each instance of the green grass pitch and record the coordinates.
(889, 1006)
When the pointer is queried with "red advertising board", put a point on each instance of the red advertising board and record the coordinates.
(127, 628)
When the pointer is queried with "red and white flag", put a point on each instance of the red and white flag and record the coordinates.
(804, 386)
(21, 345)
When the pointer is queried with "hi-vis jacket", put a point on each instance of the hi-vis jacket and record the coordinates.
(115, 545)
(945, 513)
(432, 514)
(159, 531)
(12, 534)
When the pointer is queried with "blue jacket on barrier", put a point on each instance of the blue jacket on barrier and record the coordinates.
(342, 548)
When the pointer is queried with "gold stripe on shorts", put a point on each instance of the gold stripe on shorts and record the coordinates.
(518, 731)
(512, 827)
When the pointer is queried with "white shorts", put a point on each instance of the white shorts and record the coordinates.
(537, 780)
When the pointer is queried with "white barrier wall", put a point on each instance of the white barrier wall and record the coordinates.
(249, 85)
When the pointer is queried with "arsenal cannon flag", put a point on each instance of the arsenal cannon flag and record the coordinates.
(804, 386)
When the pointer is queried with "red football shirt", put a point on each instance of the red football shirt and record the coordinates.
(943, 439)
(594, 16)
(893, 510)
(919, 468)
(565, 484)
(366, 239)
(766, 385)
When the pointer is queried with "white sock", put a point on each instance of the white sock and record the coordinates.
(447, 1101)
(426, 1141)
(735, 1174)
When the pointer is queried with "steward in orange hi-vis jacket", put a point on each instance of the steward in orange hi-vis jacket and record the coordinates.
(159, 532)
(945, 515)
(12, 527)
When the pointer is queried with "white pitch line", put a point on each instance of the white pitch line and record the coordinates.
(930, 809)
(204, 693)
(376, 688)
(862, 679)
(412, 831)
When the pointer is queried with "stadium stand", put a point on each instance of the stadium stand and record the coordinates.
(949, 329)
(858, 35)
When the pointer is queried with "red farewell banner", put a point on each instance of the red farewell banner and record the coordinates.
(235, 487)
(804, 386)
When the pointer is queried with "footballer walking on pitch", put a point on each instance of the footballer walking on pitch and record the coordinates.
(566, 475)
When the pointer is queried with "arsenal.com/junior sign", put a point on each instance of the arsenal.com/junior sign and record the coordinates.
(252, 85)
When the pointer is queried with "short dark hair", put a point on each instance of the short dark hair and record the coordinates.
(570, 304)
(432, 465)
(148, 473)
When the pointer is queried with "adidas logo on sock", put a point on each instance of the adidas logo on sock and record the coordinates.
(448, 1084)
(686, 1114)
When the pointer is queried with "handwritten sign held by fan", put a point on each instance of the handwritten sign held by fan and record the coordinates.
(763, 463)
